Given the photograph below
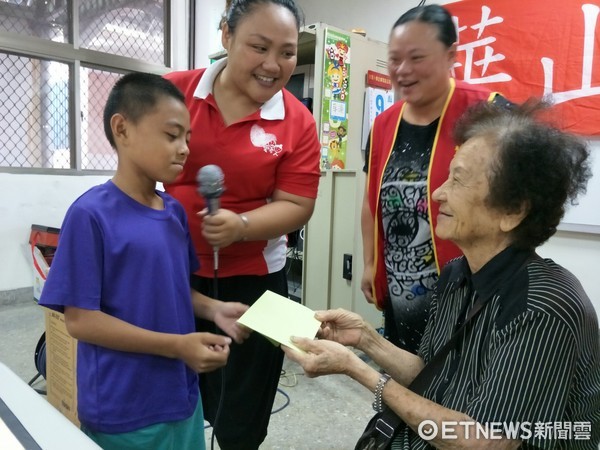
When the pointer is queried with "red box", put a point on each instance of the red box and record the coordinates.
(43, 241)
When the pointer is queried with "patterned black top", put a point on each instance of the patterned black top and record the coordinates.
(408, 252)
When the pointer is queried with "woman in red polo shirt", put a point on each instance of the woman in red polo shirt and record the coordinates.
(266, 144)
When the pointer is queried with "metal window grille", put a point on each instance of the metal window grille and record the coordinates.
(34, 129)
(132, 32)
(58, 61)
(38, 18)
(96, 152)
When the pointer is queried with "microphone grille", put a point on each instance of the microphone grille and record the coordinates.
(210, 181)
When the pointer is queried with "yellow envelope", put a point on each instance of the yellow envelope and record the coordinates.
(278, 318)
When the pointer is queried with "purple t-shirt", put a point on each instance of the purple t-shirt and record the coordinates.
(132, 262)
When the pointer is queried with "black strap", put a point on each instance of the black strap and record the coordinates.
(389, 420)
(434, 366)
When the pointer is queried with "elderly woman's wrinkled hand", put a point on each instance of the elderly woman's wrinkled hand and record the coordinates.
(321, 357)
(340, 326)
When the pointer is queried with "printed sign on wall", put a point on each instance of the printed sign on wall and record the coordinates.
(534, 49)
(377, 100)
(334, 112)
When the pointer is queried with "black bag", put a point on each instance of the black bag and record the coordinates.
(382, 427)
(379, 432)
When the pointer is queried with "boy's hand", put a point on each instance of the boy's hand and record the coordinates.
(226, 317)
(204, 352)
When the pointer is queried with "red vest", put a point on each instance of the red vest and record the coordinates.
(383, 137)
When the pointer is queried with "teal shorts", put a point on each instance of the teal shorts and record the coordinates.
(181, 435)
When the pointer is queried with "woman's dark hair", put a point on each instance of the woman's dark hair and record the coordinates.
(537, 167)
(434, 15)
(134, 95)
(238, 9)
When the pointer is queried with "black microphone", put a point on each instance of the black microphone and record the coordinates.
(210, 186)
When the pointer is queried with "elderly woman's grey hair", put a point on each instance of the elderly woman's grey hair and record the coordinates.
(537, 167)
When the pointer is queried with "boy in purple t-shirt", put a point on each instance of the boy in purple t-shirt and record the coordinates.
(121, 276)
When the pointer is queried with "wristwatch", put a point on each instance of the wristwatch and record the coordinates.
(378, 402)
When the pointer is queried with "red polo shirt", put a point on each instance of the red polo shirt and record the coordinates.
(277, 147)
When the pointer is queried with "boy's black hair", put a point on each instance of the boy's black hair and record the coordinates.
(134, 95)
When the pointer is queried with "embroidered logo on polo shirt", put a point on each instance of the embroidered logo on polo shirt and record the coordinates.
(267, 141)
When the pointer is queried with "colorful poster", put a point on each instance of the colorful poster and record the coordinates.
(334, 107)
(534, 48)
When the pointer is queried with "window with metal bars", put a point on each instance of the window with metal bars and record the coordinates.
(58, 61)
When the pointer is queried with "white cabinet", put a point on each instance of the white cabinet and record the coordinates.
(334, 229)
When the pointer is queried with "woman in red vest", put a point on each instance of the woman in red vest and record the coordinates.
(408, 155)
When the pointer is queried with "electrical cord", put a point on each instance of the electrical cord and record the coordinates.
(222, 394)
(222, 369)
(285, 376)
(293, 255)
(39, 360)
(287, 401)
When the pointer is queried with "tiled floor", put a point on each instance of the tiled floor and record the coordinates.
(323, 413)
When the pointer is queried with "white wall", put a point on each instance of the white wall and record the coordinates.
(376, 17)
(179, 38)
(208, 39)
(27, 200)
(579, 253)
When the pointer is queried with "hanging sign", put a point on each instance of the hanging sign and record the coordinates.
(380, 80)
(376, 101)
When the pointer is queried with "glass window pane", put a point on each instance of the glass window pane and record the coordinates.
(136, 31)
(34, 113)
(96, 152)
(43, 19)
(38, 117)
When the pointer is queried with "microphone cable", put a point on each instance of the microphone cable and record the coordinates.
(210, 187)
(219, 331)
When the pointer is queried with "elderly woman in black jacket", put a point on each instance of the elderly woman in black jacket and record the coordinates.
(525, 369)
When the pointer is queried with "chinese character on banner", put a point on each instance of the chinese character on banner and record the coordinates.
(535, 48)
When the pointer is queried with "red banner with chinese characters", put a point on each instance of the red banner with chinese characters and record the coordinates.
(534, 48)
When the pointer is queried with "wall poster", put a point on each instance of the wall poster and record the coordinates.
(378, 97)
(334, 107)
